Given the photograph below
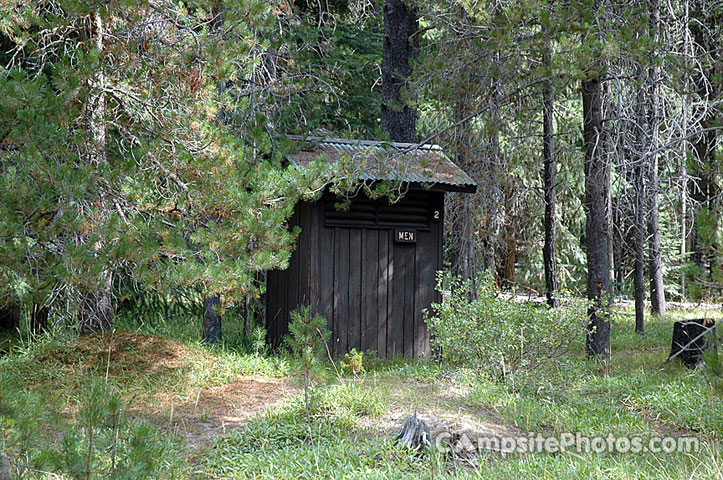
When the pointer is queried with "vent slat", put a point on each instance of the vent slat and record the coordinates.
(412, 211)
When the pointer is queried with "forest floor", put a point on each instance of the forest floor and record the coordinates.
(230, 413)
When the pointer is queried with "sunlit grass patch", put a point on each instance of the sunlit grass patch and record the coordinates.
(169, 382)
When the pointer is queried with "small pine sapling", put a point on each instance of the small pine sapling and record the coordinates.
(354, 362)
(307, 337)
(259, 339)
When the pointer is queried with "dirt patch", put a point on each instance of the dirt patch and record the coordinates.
(162, 372)
(213, 410)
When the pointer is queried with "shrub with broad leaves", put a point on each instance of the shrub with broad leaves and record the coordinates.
(475, 326)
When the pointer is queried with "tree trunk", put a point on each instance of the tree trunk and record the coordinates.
(415, 433)
(619, 243)
(639, 213)
(462, 214)
(464, 255)
(96, 306)
(212, 319)
(639, 248)
(683, 157)
(608, 151)
(657, 294)
(399, 120)
(508, 255)
(596, 233)
(690, 342)
(492, 191)
(548, 175)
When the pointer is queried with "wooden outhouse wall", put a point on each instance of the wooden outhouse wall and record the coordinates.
(371, 289)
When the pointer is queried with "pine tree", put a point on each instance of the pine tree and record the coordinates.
(117, 161)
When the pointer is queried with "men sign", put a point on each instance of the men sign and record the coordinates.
(405, 236)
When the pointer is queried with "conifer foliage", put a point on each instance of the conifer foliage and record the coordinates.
(114, 159)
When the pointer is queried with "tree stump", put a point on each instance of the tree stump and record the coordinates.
(415, 433)
(689, 340)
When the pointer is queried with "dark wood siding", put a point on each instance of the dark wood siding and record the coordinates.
(370, 289)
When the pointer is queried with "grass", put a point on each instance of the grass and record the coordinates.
(167, 380)
(637, 394)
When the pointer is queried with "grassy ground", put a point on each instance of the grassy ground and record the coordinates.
(236, 413)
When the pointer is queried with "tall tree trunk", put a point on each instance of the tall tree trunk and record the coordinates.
(96, 306)
(683, 157)
(619, 243)
(548, 175)
(212, 319)
(608, 152)
(399, 120)
(639, 266)
(657, 293)
(464, 252)
(639, 215)
(596, 233)
(491, 187)
(461, 206)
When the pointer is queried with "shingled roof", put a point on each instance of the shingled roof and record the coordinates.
(373, 160)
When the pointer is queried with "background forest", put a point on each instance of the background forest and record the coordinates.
(145, 192)
(137, 138)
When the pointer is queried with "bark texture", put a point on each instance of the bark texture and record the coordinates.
(95, 312)
(212, 319)
(461, 207)
(596, 233)
(399, 119)
(639, 249)
(492, 199)
(657, 294)
(639, 232)
(690, 342)
(548, 175)
(415, 433)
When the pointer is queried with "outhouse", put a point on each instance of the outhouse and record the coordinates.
(369, 269)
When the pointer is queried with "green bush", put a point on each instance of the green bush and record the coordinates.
(475, 326)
